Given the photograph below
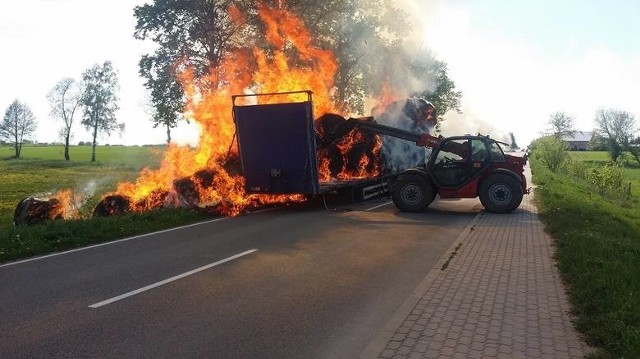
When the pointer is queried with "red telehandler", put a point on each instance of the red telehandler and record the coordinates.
(458, 167)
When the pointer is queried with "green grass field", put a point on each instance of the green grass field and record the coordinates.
(42, 170)
(135, 156)
(597, 159)
(598, 253)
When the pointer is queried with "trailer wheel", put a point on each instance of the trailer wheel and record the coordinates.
(412, 193)
(500, 194)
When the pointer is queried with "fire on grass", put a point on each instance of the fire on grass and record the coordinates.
(208, 177)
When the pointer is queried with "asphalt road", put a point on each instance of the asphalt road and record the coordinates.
(305, 282)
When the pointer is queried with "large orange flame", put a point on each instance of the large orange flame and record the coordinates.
(208, 176)
(211, 107)
(68, 205)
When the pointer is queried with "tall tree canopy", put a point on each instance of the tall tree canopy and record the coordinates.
(100, 102)
(17, 124)
(617, 129)
(364, 35)
(561, 124)
(194, 33)
(65, 98)
(361, 34)
(434, 83)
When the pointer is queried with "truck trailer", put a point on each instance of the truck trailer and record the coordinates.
(278, 154)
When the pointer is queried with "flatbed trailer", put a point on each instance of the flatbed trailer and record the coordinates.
(278, 152)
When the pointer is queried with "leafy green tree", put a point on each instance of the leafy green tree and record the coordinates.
(597, 143)
(350, 43)
(167, 97)
(100, 102)
(195, 33)
(562, 125)
(65, 99)
(550, 150)
(365, 36)
(433, 74)
(17, 124)
(617, 128)
(199, 33)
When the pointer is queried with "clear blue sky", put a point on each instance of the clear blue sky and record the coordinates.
(552, 26)
(516, 62)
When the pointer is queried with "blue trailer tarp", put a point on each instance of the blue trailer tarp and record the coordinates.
(277, 146)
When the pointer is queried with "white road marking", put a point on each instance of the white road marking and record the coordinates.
(378, 206)
(169, 280)
(113, 242)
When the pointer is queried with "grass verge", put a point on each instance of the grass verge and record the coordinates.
(598, 254)
(54, 236)
(41, 171)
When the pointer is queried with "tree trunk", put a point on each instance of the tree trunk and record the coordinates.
(340, 89)
(93, 146)
(168, 134)
(16, 144)
(66, 147)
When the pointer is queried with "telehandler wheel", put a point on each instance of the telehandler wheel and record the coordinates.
(500, 193)
(412, 193)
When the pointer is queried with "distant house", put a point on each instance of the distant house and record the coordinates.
(579, 141)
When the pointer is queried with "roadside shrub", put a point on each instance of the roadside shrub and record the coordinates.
(551, 151)
(575, 168)
(608, 178)
(627, 159)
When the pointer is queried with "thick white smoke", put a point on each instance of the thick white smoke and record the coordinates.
(421, 13)
(400, 154)
(466, 123)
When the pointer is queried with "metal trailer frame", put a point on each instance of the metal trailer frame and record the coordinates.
(277, 147)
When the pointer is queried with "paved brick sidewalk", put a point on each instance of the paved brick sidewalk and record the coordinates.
(499, 296)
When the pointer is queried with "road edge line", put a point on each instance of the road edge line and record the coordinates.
(169, 280)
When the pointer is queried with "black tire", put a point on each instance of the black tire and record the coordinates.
(500, 193)
(412, 193)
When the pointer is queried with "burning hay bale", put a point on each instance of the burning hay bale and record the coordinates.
(158, 198)
(329, 128)
(194, 192)
(33, 210)
(411, 114)
(348, 150)
(186, 192)
(112, 205)
(189, 188)
(414, 114)
(350, 155)
(232, 165)
(355, 152)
